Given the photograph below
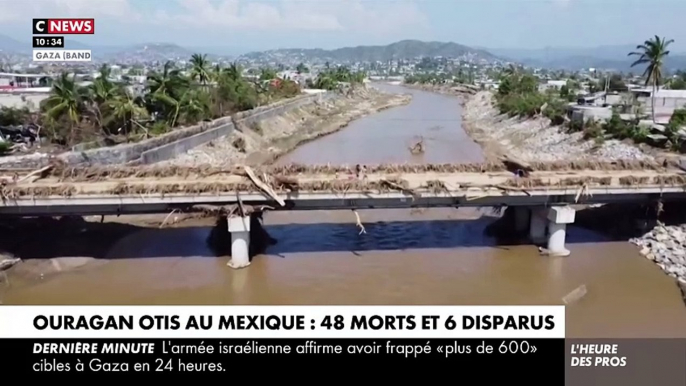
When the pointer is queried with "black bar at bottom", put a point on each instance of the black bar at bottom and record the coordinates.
(491, 360)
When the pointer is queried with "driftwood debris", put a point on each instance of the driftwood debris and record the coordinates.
(8, 262)
(289, 183)
(401, 188)
(499, 187)
(418, 147)
(358, 223)
(36, 174)
(517, 166)
(576, 295)
(164, 222)
(230, 210)
(263, 186)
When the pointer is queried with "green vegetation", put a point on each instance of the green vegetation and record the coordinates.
(12, 116)
(302, 68)
(73, 114)
(676, 123)
(331, 78)
(518, 95)
(679, 81)
(430, 75)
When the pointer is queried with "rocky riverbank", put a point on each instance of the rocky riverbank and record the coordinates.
(666, 246)
(265, 142)
(535, 139)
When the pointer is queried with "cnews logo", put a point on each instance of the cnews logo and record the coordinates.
(63, 26)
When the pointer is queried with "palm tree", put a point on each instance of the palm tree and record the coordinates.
(166, 82)
(216, 72)
(165, 89)
(65, 100)
(125, 110)
(511, 69)
(268, 74)
(100, 93)
(200, 69)
(652, 53)
(194, 106)
(233, 72)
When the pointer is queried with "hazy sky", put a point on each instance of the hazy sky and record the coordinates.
(263, 24)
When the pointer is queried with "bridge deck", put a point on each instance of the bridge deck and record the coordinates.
(83, 194)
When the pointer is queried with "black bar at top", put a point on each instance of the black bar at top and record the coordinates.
(543, 365)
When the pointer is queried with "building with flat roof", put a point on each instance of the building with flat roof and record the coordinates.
(29, 82)
(666, 101)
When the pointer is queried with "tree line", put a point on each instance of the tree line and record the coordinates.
(73, 114)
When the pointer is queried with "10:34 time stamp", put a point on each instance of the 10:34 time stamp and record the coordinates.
(48, 42)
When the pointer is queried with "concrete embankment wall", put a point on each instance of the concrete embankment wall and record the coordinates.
(167, 146)
(173, 149)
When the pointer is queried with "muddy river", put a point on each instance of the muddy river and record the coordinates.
(419, 257)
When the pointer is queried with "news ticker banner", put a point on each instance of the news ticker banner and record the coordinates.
(496, 344)
(50, 48)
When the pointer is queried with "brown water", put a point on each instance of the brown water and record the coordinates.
(428, 257)
(385, 137)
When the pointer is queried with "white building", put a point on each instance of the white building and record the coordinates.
(552, 85)
(666, 101)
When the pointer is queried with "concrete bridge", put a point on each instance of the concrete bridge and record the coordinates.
(542, 198)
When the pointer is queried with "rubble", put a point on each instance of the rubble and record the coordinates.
(666, 247)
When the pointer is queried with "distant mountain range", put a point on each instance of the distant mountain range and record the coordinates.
(605, 57)
(405, 49)
(602, 57)
(145, 52)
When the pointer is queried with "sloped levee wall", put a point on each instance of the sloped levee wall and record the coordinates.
(165, 146)
(173, 149)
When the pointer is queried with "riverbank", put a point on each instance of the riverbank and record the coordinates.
(274, 137)
(535, 139)
(665, 245)
(462, 91)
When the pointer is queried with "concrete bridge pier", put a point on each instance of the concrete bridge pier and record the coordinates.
(239, 228)
(558, 218)
(538, 226)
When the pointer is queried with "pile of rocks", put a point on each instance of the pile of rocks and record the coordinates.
(666, 246)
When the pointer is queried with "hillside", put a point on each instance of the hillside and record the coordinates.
(405, 49)
(147, 52)
(603, 57)
(9, 45)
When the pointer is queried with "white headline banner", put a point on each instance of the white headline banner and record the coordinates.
(523, 322)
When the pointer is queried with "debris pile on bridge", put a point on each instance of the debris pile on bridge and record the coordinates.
(99, 173)
(59, 180)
